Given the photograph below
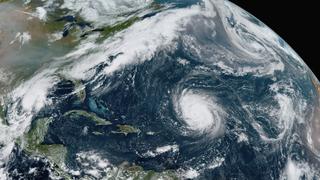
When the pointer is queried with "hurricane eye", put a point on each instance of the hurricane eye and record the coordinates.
(199, 112)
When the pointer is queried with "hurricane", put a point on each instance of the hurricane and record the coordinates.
(152, 89)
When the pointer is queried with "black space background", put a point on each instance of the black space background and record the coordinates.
(296, 21)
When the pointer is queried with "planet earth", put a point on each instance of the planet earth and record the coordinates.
(152, 89)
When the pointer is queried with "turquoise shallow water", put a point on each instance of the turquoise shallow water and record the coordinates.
(149, 90)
